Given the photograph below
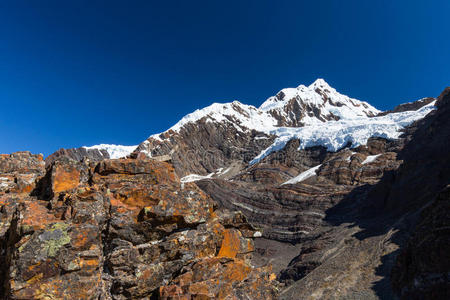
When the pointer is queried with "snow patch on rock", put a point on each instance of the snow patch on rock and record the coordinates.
(195, 177)
(370, 158)
(114, 151)
(303, 176)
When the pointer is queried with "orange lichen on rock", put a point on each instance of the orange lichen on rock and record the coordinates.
(35, 215)
(211, 278)
(65, 179)
(159, 235)
(136, 197)
(230, 243)
(160, 171)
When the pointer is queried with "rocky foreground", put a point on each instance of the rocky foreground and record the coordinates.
(119, 229)
(364, 222)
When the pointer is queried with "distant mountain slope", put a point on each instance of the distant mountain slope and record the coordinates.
(222, 134)
(114, 151)
(218, 135)
(93, 153)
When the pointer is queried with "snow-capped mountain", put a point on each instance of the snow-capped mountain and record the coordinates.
(305, 105)
(317, 115)
(291, 107)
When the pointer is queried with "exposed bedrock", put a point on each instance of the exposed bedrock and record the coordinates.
(78, 154)
(119, 229)
(290, 212)
(203, 147)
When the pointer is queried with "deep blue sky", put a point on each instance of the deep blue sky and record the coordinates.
(76, 73)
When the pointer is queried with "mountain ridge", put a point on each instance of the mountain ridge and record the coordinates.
(300, 106)
(301, 113)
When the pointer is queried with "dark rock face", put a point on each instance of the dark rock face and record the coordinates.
(120, 229)
(422, 268)
(290, 212)
(78, 154)
(294, 112)
(203, 147)
(427, 162)
(20, 171)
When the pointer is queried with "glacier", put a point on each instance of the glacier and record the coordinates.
(335, 135)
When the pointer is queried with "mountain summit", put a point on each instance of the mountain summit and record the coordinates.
(294, 107)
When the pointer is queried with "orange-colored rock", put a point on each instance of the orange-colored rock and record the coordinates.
(57, 261)
(230, 243)
(160, 171)
(132, 217)
(220, 278)
(20, 171)
(35, 215)
(65, 178)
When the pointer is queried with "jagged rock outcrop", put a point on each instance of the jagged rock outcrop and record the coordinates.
(20, 171)
(121, 229)
(203, 147)
(78, 154)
